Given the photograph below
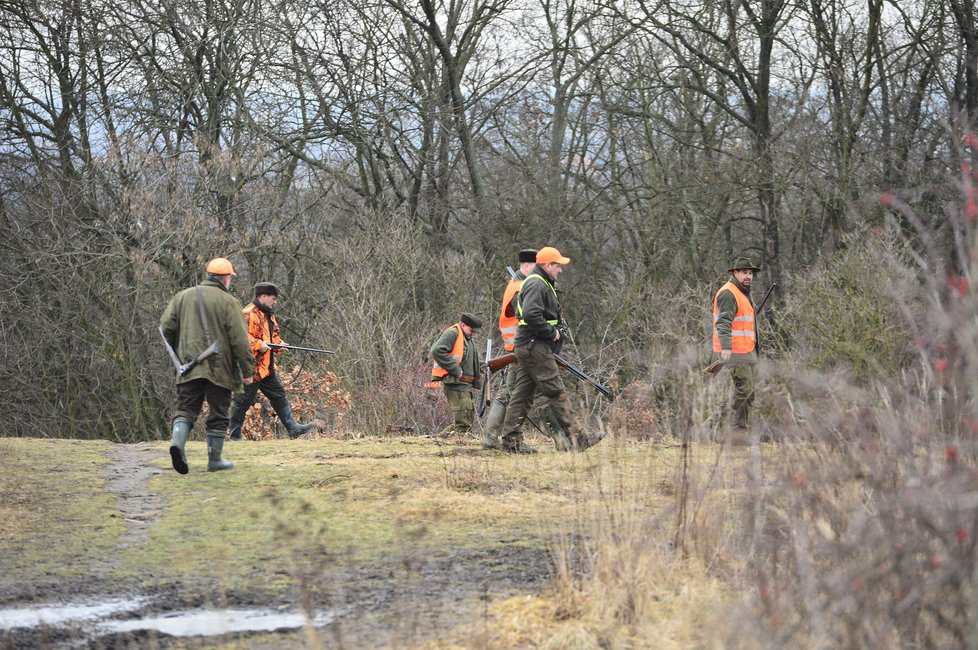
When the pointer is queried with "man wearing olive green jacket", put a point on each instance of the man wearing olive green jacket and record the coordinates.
(455, 366)
(735, 341)
(538, 339)
(195, 318)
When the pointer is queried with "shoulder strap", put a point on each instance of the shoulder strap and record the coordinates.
(203, 315)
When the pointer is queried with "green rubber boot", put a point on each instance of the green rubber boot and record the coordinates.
(178, 438)
(237, 418)
(293, 428)
(215, 444)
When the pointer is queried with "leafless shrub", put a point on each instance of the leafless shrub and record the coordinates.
(868, 531)
(313, 396)
(400, 404)
(857, 527)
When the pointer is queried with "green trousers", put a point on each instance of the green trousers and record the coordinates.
(493, 424)
(463, 408)
(537, 371)
(743, 393)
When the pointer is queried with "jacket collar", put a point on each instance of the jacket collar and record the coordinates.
(213, 283)
(538, 270)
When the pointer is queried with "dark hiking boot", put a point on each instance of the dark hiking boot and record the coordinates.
(516, 446)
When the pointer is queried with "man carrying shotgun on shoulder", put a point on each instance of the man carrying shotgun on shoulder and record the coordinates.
(203, 324)
(538, 341)
(266, 341)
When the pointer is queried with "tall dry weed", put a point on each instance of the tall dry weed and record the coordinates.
(870, 521)
(856, 526)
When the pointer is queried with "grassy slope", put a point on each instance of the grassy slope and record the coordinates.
(54, 511)
(255, 527)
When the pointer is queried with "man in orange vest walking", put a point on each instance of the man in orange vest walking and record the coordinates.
(538, 340)
(455, 366)
(735, 341)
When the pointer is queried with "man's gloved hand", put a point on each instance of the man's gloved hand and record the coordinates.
(264, 347)
(560, 335)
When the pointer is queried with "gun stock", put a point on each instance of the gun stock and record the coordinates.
(497, 364)
(211, 350)
(714, 367)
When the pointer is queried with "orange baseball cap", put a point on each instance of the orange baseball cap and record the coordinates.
(220, 266)
(549, 254)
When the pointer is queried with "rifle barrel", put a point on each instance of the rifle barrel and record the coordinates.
(279, 346)
(766, 296)
(580, 374)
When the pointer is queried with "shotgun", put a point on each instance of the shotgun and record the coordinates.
(580, 374)
(282, 346)
(715, 367)
(184, 368)
(500, 362)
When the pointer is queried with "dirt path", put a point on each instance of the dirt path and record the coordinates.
(127, 476)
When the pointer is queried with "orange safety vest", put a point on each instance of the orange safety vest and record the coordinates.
(437, 372)
(742, 330)
(509, 324)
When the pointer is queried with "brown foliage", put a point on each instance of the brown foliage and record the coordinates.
(314, 397)
(635, 414)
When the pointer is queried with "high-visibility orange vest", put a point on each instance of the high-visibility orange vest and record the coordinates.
(437, 372)
(742, 330)
(509, 324)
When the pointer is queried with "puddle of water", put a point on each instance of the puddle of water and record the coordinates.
(55, 615)
(212, 623)
(103, 616)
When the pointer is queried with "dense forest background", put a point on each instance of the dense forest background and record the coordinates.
(383, 162)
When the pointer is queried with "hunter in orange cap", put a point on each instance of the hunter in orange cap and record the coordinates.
(220, 266)
(540, 335)
(196, 320)
(549, 254)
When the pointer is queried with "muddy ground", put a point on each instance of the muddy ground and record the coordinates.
(400, 601)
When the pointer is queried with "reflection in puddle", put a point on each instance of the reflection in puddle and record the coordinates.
(100, 618)
(54, 615)
(211, 623)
